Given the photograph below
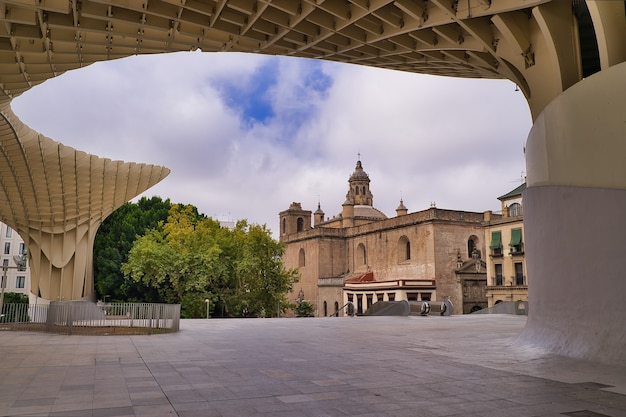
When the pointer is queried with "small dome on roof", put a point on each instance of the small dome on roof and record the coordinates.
(369, 212)
(365, 212)
(359, 174)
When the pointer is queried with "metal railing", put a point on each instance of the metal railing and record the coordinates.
(87, 318)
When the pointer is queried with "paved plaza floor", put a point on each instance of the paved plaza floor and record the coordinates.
(361, 366)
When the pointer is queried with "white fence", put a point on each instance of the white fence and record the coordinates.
(87, 318)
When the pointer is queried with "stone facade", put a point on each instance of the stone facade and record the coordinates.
(472, 276)
(362, 256)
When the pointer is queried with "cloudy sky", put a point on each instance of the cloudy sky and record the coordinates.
(246, 135)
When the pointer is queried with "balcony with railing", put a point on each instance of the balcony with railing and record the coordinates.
(516, 250)
(518, 282)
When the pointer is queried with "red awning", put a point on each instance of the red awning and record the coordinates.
(367, 277)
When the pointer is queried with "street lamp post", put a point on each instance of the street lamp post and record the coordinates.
(208, 303)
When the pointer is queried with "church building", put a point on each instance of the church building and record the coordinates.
(362, 256)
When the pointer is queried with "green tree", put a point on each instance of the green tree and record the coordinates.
(304, 309)
(9, 311)
(179, 260)
(114, 240)
(15, 298)
(261, 281)
(190, 259)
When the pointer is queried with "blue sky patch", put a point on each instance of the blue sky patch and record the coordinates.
(258, 98)
(316, 79)
(251, 98)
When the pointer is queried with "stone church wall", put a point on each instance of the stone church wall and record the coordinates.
(451, 237)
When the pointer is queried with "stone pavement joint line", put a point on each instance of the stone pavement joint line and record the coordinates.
(364, 366)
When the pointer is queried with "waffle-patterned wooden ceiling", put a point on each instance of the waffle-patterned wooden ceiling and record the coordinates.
(43, 38)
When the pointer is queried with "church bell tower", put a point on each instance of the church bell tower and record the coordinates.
(294, 220)
(359, 193)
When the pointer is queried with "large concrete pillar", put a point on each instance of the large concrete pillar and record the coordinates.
(575, 220)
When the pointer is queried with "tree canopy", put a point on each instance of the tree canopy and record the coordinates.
(190, 259)
(115, 237)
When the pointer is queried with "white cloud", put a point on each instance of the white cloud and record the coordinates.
(456, 142)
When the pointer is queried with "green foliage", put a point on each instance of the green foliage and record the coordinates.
(114, 240)
(304, 309)
(11, 308)
(15, 298)
(191, 258)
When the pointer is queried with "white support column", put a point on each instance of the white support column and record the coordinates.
(575, 221)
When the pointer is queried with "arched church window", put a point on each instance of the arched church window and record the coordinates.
(472, 243)
(361, 255)
(404, 249)
(301, 258)
(284, 225)
(356, 190)
(300, 224)
(364, 190)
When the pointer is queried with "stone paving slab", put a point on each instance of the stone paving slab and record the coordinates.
(363, 366)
